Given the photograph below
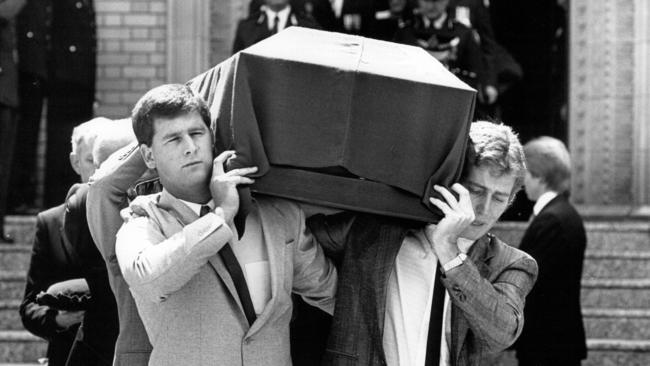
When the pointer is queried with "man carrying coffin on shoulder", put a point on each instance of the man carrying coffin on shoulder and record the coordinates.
(443, 294)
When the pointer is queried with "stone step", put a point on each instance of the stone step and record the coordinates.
(616, 293)
(615, 264)
(9, 316)
(12, 285)
(631, 324)
(618, 235)
(17, 346)
(15, 257)
(21, 228)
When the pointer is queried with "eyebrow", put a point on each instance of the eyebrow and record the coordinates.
(497, 193)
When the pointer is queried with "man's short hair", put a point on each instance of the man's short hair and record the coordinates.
(165, 101)
(112, 139)
(87, 132)
(497, 147)
(549, 159)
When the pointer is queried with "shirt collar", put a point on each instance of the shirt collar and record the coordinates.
(283, 15)
(195, 207)
(438, 23)
(542, 201)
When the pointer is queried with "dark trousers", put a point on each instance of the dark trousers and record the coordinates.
(7, 141)
(67, 106)
(536, 361)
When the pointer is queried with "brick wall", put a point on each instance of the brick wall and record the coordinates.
(131, 56)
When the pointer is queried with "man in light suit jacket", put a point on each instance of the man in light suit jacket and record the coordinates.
(554, 333)
(206, 294)
(445, 294)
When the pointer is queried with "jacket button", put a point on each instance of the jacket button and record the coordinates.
(79, 5)
(30, 34)
(73, 48)
(1, 70)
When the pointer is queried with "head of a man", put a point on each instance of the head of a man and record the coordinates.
(494, 172)
(118, 135)
(171, 125)
(549, 167)
(432, 9)
(83, 140)
(276, 5)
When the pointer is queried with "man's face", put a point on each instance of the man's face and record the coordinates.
(82, 160)
(490, 196)
(396, 6)
(432, 9)
(533, 186)
(181, 152)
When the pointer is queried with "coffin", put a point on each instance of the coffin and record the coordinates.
(341, 121)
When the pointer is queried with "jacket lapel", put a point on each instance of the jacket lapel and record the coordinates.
(480, 254)
(275, 249)
(378, 261)
(186, 216)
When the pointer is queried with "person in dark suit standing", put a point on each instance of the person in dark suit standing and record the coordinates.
(273, 17)
(554, 333)
(8, 100)
(55, 259)
(57, 50)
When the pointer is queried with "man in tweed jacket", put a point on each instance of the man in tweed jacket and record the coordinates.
(386, 286)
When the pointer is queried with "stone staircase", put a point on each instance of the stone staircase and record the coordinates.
(615, 294)
(615, 291)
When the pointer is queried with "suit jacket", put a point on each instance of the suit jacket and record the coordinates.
(255, 28)
(95, 341)
(57, 40)
(186, 297)
(554, 328)
(51, 262)
(106, 197)
(487, 291)
(8, 72)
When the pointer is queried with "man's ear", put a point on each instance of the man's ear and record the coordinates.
(147, 156)
(74, 162)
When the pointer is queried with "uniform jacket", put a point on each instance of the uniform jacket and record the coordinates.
(51, 262)
(57, 40)
(554, 328)
(95, 341)
(454, 39)
(8, 55)
(487, 291)
(255, 28)
(106, 197)
(187, 298)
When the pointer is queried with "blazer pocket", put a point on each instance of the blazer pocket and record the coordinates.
(333, 354)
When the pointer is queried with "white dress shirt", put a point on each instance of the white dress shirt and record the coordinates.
(542, 201)
(408, 304)
(283, 16)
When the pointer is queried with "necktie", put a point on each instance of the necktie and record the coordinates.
(276, 23)
(237, 275)
(435, 322)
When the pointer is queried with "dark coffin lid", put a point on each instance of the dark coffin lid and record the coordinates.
(341, 120)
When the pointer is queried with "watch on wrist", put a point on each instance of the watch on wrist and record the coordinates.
(457, 261)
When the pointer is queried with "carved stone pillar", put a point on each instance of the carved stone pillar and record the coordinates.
(608, 99)
(188, 39)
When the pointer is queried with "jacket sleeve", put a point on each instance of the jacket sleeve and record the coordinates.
(331, 232)
(315, 275)
(494, 309)
(39, 319)
(155, 266)
(107, 196)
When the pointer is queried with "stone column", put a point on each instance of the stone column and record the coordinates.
(188, 39)
(608, 101)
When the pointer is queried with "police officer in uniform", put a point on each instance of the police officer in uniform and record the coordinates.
(8, 100)
(57, 48)
(449, 41)
(273, 16)
(389, 16)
